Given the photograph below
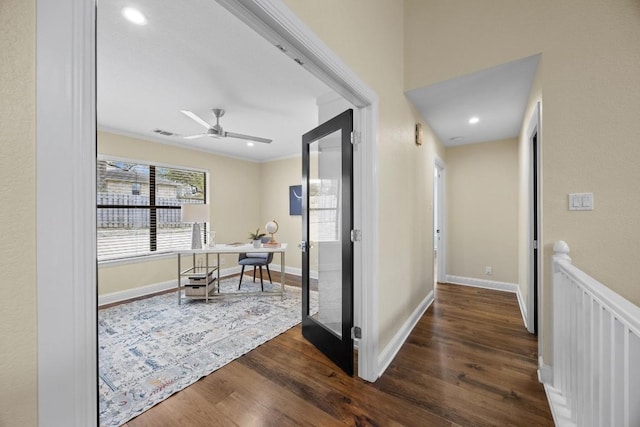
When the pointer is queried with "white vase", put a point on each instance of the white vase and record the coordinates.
(256, 243)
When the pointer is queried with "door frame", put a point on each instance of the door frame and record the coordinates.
(65, 219)
(442, 220)
(281, 27)
(65, 164)
(534, 129)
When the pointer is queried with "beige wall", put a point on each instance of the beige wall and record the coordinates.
(235, 205)
(482, 210)
(276, 177)
(18, 327)
(590, 61)
(590, 65)
(369, 36)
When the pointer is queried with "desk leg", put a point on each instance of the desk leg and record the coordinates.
(179, 290)
(282, 274)
(218, 271)
(206, 277)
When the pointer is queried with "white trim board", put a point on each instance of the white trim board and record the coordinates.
(389, 353)
(494, 285)
(141, 291)
(128, 294)
(482, 283)
(523, 307)
(66, 195)
(545, 372)
(295, 271)
(559, 407)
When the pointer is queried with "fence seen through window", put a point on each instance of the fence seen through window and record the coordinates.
(138, 207)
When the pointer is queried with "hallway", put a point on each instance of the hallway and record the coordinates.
(471, 361)
(468, 362)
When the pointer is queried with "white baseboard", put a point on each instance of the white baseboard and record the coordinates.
(523, 308)
(142, 291)
(293, 270)
(559, 409)
(390, 351)
(482, 283)
(494, 285)
(545, 373)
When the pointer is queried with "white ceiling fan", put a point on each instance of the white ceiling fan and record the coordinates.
(216, 131)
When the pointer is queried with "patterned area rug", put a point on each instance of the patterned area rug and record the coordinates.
(152, 348)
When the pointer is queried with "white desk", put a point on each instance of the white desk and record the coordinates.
(217, 250)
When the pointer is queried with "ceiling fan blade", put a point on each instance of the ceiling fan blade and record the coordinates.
(196, 118)
(200, 135)
(248, 137)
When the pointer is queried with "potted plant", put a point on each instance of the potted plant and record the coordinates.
(256, 238)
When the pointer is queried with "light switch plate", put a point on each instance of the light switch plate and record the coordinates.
(580, 201)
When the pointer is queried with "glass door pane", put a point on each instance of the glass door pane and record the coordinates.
(325, 221)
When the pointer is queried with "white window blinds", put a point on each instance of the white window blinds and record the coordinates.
(138, 207)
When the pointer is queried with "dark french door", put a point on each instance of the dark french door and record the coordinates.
(327, 247)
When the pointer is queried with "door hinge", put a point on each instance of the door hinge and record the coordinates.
(356, 235)
(535, 244)
(303, 246)
(355, 137)
(356, 332)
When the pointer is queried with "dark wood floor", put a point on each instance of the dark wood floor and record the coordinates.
(468, 362)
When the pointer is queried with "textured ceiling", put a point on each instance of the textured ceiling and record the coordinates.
(197, 56)
(497, 96)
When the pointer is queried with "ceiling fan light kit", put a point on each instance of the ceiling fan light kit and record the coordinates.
(216, 131)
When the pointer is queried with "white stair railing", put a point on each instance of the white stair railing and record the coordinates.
(596, 350)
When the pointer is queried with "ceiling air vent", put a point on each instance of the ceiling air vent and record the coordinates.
(163, 132)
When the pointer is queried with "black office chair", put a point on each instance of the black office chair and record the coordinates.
(256, 260)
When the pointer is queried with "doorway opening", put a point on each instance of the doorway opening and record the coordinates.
(534, 260)
(439, 243)
(74, 240)
(534, 294)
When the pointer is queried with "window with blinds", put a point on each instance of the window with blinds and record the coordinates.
(138, 208)
(324, 210)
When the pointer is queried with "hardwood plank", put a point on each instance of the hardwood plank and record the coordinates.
(268, 397)
(468, 362)
(346, 398)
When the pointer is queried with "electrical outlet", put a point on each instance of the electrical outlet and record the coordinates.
(488, 270)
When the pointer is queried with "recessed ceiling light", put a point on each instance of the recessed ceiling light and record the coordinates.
(473, 120)
(249, 144)
(134, 15)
